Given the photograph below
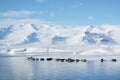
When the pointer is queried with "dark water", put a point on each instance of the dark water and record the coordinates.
(19, 68)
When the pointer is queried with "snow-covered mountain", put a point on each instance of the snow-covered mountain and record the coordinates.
(57, 35)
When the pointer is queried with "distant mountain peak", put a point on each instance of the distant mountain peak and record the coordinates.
(55, 34)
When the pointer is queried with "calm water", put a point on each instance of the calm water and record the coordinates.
(19, 68)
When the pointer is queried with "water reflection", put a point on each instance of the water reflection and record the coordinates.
(19, 68)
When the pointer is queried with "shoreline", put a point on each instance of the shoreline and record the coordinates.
(78, 56)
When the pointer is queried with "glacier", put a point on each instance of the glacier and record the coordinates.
(85, 40)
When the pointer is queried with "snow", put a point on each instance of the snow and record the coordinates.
(37, 37)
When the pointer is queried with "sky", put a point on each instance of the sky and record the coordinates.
(64, 12)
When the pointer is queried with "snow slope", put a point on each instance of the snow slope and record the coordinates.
(88, 40)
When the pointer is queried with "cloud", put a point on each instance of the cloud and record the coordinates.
(90, 17)
(19, 21)
(110, 17)
(40, 1)
(22, 13)
(78, 5)
(52, 14)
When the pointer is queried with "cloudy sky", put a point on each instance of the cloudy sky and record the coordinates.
(64, 12)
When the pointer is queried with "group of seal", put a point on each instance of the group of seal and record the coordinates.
(64, 59)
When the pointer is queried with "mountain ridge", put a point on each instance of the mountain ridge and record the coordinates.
(56, 35)
(86, 40)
